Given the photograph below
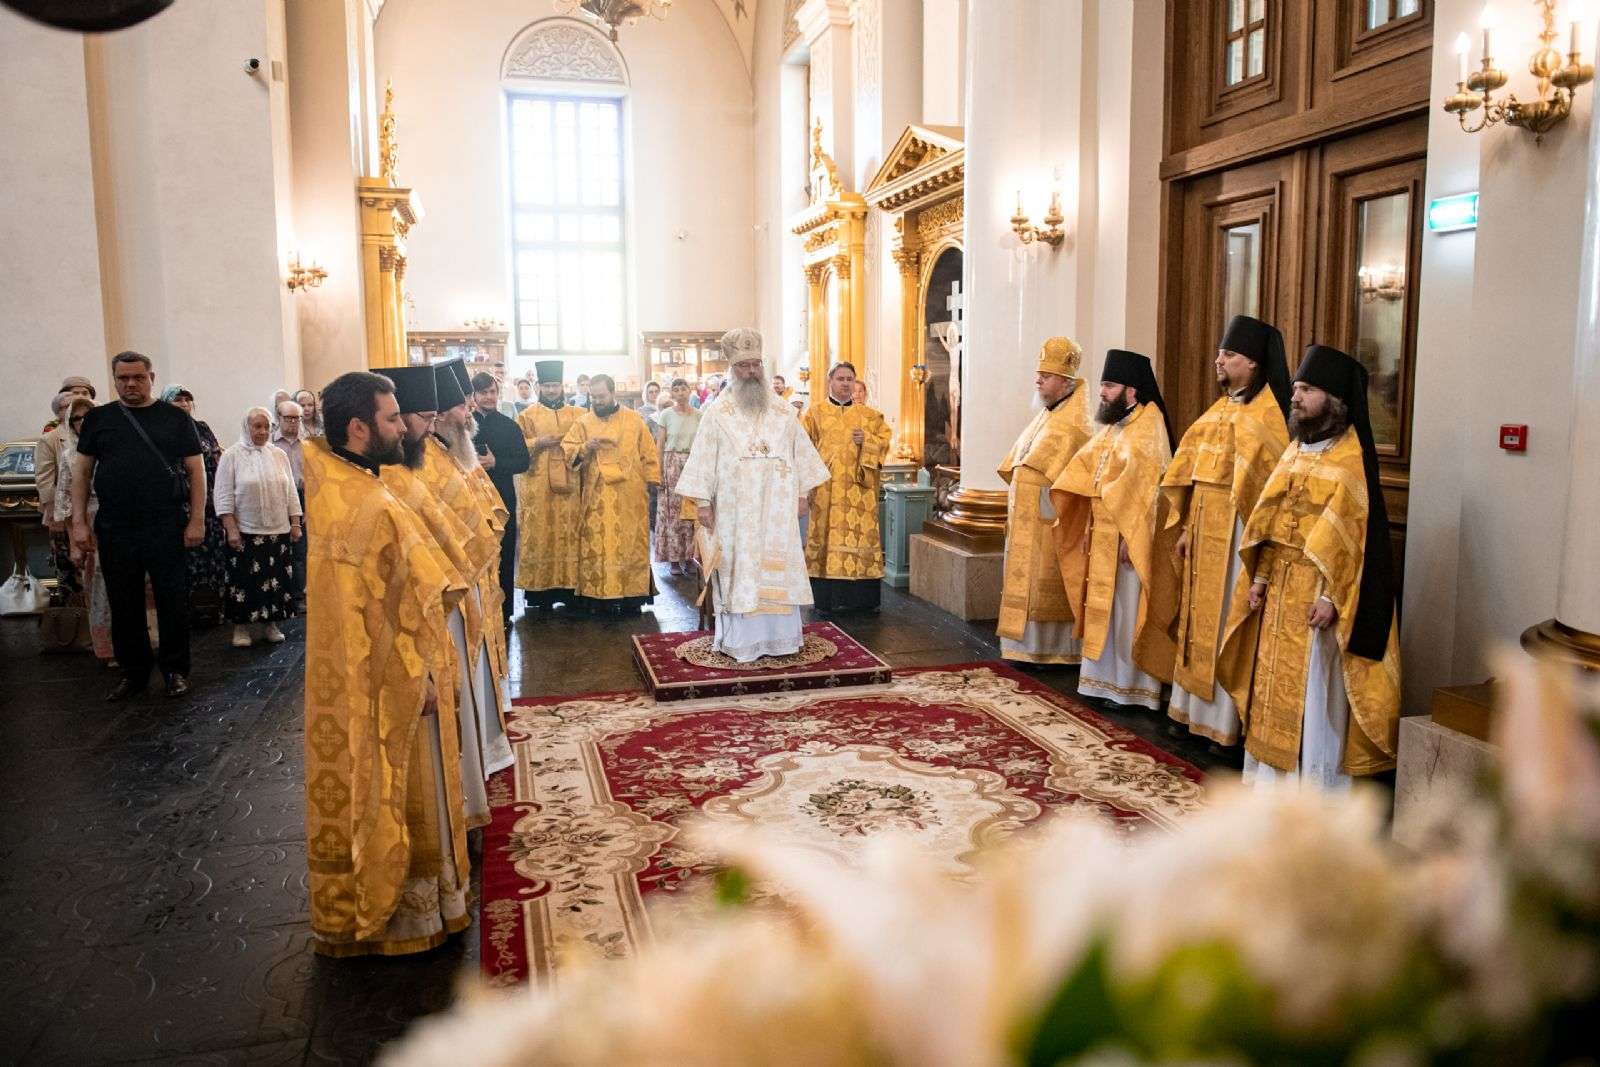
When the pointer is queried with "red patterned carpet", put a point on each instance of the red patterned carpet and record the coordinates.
(682, 666)
(584, 824)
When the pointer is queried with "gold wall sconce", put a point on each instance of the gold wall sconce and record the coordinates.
(1052, 234)
(1558, 80)
(304, 277)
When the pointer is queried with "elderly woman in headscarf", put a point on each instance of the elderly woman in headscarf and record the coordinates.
(260, 510)
(208, 578)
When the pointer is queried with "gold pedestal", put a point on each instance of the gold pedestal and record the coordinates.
(1557, 641)
(1466, 709)
(975, 520)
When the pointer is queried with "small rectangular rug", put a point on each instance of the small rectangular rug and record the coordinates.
(683, 666)
(584, 823)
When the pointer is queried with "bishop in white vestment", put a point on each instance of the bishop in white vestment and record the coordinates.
(747, 477)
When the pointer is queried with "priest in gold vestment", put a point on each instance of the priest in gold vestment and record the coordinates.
(1312, 641)
(449, 468)
(1212, 485)
(1116, 549)
(1036, 623)
(745, 483)
(385, 837)
(613, 451)
(547, 497)
(468, 695)
(844, 539)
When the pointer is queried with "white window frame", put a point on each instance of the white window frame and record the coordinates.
(576, 94)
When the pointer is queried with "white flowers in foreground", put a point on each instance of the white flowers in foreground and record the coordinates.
(1267, 928)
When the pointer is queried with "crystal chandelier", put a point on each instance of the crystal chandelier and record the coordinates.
(610, 14)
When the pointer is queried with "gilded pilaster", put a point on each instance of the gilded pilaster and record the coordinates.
(388, 212)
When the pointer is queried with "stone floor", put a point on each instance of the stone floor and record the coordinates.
(154, 853)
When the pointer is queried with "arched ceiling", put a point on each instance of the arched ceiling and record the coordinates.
(741, 16)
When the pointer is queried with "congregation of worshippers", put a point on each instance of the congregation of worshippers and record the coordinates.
(1237, 580)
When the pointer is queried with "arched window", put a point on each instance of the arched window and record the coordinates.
(565, 89)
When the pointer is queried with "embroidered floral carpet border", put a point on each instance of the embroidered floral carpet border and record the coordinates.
(585, 822)
(682, 666)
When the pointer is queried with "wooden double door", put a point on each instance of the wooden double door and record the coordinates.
(1324, 242)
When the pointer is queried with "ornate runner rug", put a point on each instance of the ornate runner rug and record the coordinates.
(683, 666)
(585, 822)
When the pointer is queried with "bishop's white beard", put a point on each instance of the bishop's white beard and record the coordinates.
(752, 394)
(459, 444)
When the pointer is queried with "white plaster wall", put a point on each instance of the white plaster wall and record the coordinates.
(1444, 346)
(692, 116)
(767, 160)
(50, 317)
(1514, 367)
(325, 73)
(794, 156)
(1129, 109)
(1097, 141)
(944, 95)
(888, 101)
(1579, 602)
(1496, 344)
(193, 205)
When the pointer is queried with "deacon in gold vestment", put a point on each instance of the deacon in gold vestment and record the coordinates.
(1312, 641)
(844, 541)
(1116, 549)
(615, 454)
(384, 831)
(547, 497)
(1035, 619)
(450, 470)
(1211, 486)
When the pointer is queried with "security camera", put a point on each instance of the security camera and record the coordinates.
(252, 65)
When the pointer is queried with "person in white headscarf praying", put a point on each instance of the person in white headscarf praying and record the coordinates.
(748, 475)
(260, 512)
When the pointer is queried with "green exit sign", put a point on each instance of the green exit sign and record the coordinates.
(1449, 213)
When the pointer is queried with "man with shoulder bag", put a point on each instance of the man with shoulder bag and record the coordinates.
(135, 450)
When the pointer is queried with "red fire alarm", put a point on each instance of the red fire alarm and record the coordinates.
(1514, 438)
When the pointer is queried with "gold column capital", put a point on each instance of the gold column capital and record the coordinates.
(909, 261)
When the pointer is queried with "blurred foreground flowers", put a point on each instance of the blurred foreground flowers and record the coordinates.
(1273, 928)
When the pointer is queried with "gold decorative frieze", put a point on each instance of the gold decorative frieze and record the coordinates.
(944, 219)
(818, 238)
(926, 161)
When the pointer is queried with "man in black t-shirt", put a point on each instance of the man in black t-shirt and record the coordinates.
(135, 449)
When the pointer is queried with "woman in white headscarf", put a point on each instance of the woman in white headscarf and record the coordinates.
(260, 510)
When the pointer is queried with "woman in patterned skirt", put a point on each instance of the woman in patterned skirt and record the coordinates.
(260, 511)
(208, 566)
(675, 430)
